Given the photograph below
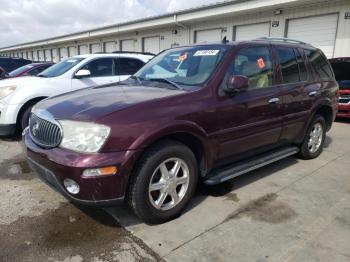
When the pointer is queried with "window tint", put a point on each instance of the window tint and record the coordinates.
(256, 64)
(129, 66)
(37, 70)
(320, 65)
(302, 68)
(341, 70)
(289, 65)
(100, 67)
(20, 70)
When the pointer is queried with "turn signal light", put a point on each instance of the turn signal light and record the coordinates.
(104, 171)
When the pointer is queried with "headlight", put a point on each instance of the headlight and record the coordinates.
(83, 137)
(6, 90)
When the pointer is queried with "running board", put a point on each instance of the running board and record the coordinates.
(218, 176)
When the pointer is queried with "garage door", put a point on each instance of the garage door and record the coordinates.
(95, 48)
(110, 47)
(128, 45)
(72, 51)
(35, 56)
(210, 35)
(41, 55)
(55, 57)
(83, 49)
(48, 55)
(63, 53)
(249, 32)
(151, 44)
(319, 31)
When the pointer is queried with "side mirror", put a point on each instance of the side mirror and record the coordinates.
(82, 73)
(236, 84)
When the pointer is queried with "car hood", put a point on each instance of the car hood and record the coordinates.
(22, 81)
(94, 103)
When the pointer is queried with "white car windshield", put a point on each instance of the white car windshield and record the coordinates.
(188, 66)
(61, 68)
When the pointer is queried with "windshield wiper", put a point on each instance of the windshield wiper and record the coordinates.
(41, 76)
(164, 80)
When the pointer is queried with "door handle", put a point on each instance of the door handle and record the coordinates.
(313, 93)
(274, 100)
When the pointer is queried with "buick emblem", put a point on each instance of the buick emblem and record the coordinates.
(35, 128)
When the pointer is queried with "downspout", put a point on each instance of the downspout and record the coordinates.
(176, 22)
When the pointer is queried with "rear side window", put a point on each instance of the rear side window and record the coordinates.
(129, 66)
(320, 65)
(256, 64)
(289, 65)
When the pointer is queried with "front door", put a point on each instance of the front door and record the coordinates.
(102, 72)
(250, 119)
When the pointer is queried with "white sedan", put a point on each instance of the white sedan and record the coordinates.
(19, 95)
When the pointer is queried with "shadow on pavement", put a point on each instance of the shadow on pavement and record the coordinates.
(126, 217)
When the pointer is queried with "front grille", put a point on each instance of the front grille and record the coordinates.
(44, 133)
(344, 99)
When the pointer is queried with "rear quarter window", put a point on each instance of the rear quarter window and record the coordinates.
(320, 65)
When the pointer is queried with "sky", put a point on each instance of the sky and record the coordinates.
(29, 20)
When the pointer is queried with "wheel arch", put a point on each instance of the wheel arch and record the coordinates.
(27, 104)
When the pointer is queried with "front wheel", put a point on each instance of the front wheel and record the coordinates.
(312, 145)
(163, 182)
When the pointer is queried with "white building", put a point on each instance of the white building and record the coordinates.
(323, 23)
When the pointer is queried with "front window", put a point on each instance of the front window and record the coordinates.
(61, 68)
(189, 66)
(100, 67)
(19, 71)
(255, 63)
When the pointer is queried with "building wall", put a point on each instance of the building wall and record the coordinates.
(182, 34)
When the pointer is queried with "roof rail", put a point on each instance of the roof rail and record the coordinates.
(281, 39)
(126, 52)
(133, 52)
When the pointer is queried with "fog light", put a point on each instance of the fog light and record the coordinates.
(71, 186)
(104, 171)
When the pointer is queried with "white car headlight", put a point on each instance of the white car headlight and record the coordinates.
(83, 137)
(6, 90)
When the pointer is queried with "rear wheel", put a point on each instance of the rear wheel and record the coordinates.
(312, 145)
(163, 182)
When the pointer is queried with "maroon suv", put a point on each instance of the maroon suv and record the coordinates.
(207, 112)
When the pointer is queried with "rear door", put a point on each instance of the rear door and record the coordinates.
(103, 71)
(294, 80)
(250, 119)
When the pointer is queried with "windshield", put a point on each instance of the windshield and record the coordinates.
(61, 68)
(188, 66)
(19, 70)
(342, 74)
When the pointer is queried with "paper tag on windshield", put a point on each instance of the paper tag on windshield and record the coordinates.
(261, 63)
(206, 53)
(71, 61)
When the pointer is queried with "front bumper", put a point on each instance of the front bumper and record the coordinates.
(7, 130)
(55, 165)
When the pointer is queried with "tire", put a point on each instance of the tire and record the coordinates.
(312, 145)
(156, 168)
(24, 118)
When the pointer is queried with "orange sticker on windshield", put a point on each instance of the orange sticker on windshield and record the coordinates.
(261, 63)
(183, 57)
